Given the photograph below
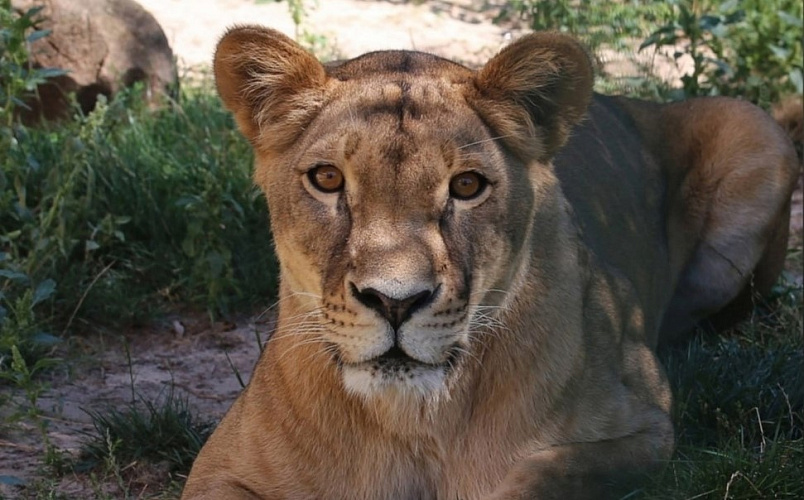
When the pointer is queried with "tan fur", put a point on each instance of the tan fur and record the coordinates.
(608, 226)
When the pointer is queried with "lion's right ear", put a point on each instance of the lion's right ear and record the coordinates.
(272, 85)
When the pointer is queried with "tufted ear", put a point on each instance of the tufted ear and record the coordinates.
(534, 91)
(272, 85)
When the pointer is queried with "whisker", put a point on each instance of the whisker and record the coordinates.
(484, 140)
(283, 299)
(297, 345)
(488, 290)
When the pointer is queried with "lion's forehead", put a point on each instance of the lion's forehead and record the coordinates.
(404, 99)
(400, 132)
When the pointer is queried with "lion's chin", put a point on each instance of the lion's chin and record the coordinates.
(385, 380)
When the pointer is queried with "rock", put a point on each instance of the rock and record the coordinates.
(105, 45)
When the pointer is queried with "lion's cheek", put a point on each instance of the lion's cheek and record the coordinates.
(298, 269)
(484, 252)
(309, 243)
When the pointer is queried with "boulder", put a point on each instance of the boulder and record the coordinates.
(105, 45)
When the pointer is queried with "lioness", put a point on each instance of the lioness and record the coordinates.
(476, 269)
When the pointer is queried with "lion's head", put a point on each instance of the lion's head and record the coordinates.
(402, 190)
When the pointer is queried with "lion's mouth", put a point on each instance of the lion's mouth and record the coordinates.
(396, 371)
(394, 356)
(396, 359)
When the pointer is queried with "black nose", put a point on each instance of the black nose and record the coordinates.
(396, 311)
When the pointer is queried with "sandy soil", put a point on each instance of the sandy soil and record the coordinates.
(185, 351)
(452, 29)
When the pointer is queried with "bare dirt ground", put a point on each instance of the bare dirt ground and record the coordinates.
(197, 359)
(187, 352)
(452, 29)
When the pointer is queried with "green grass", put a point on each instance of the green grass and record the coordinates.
(162, 432)
(739, 409)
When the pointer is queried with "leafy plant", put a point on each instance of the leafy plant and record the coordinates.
(22, 332)
(18, 79)
(23, 376)
(315, 43)
(597, 23)
(746, 48)
(129, 208)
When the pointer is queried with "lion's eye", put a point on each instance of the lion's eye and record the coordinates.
(467, 185)
(326, 178)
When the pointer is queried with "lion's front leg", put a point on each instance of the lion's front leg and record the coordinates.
(595, 470)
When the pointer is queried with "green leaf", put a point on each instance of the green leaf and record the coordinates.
(14, 276)
(790, 19)
(723, 66)
(50, 72)
(719, 31)
(779, 52)
(188, 201)
(18, 102)
(797, 79)
(30, 13)
(657, 37)
(45, 339)
(44, 291)
(728, 5)
(32, 163)
(12, 481)
(734, 17)
(708, 22)
(38, 34)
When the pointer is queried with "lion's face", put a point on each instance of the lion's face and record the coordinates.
(397, 213)
(402, 189)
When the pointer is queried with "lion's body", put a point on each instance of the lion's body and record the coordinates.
(437, 345)
(691, 203)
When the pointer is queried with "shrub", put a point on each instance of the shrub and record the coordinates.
(18, 80)
(747, 48)
(125, 208)
(107, 216)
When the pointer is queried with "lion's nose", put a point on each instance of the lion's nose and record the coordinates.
(396, 311)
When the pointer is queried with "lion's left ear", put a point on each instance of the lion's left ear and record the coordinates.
(534, 91)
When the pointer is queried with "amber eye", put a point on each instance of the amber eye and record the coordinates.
(326, 178)
(467, 185)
